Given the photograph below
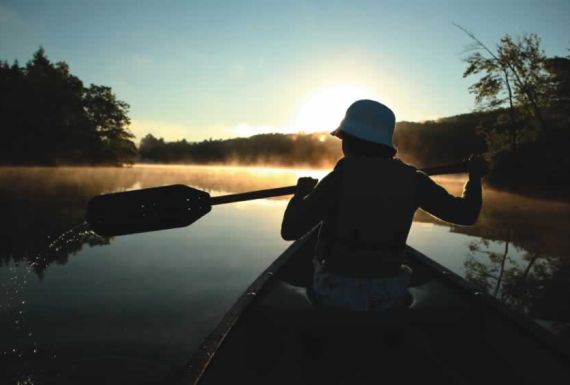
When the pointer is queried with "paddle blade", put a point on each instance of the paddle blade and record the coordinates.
(145, 210)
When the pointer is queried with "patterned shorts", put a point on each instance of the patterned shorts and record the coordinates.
(360, 294)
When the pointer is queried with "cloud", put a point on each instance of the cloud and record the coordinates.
(160, 129)
(245, 129)
(17, 36)
(174, 131)
(434, 118)
(170, 131)
(237, 71)
(9, 16)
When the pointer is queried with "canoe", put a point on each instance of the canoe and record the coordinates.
(449, 332)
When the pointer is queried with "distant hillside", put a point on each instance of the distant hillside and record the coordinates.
(444, 140)
(423, 144)
(428, 143)
(313, 150)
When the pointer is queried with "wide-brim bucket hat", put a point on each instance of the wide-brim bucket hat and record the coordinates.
(368, 120)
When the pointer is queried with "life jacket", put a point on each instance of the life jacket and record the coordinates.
(374, 213)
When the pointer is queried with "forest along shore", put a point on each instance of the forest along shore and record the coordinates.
(52, 119)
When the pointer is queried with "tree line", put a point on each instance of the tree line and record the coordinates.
(272, 149)
(49, 117)
(423, 144)
(522, 122)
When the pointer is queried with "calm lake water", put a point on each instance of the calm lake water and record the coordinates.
(79, 308)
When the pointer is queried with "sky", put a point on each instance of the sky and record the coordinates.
(220, 69)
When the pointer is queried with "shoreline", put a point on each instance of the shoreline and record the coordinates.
(253, 167)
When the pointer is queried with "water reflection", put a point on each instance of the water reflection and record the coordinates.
(527, 281)
(519, 252)
(41, 204)
(149, 299)
(134, 310)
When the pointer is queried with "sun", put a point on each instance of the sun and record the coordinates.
(324, 109)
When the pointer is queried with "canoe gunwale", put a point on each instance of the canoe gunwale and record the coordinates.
(521, 321)
(209, 347)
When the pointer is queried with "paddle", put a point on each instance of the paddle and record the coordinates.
(168, 207)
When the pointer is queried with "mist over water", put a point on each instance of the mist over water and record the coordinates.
(135, 307)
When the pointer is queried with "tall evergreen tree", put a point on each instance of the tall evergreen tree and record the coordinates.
(49, 117)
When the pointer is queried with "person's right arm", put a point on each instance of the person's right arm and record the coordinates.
(463, 210)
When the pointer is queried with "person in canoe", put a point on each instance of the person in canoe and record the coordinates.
(365, 206)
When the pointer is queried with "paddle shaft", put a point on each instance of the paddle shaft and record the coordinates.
(455, 168)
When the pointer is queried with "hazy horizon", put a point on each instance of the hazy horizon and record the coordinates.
(316, 133)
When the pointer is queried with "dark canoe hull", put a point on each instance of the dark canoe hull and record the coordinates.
(451, 333)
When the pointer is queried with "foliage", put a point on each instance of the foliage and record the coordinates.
(49, 117)
(514, 77)
(423, 144)
(445, 140)
(525, 281)
(528, 141)
(277, 149)
(559, 70)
